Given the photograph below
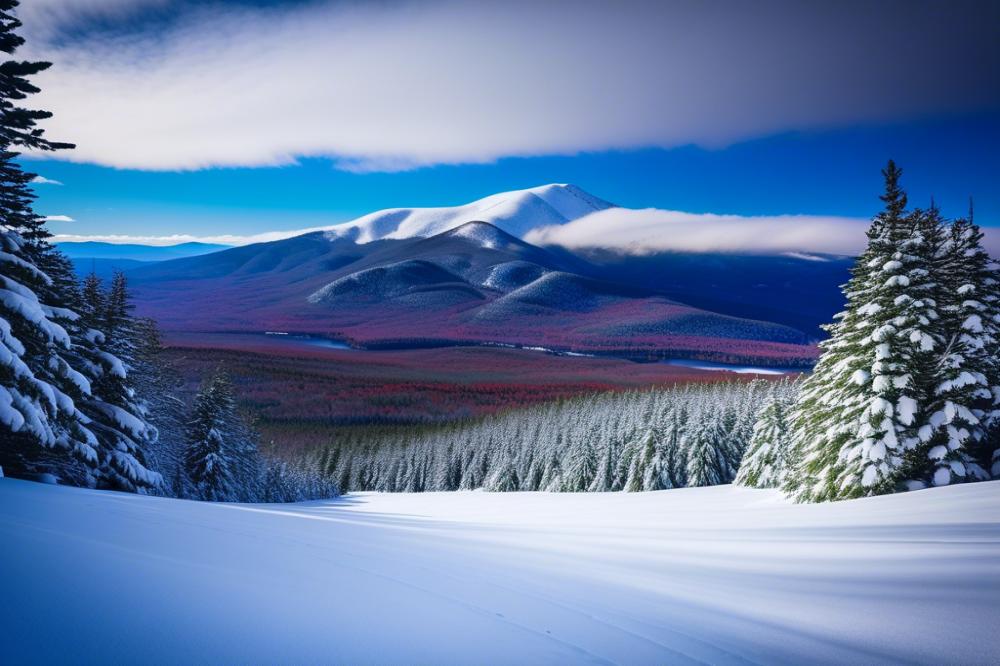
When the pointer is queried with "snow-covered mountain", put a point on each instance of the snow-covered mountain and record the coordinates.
(516, 212)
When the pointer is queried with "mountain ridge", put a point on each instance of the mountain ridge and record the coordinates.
(515, 212)
(470, 284)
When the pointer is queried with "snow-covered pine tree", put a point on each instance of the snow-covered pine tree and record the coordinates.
(706, 465)
(654, 462)
(42, 429)
(59, 353)
(581, 466)
(37, 413)
(504, 478)
(157, 384)
(208, 462)
(764, 463)
(859, 411)
(966, 401)
(604, 472)
(116, 413)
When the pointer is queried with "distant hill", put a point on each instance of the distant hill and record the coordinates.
(104, 268)
(135, 252)
(796, 290)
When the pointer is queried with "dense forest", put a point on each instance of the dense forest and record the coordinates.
(690, 435)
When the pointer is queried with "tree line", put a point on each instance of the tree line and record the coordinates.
(654, 439)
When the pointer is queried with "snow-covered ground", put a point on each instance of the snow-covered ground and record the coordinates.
(717, 575)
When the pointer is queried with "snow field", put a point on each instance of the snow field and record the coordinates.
(719, 575)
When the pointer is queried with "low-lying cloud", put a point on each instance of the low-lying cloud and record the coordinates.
(652, 230)
(632, 231)
(396, 85)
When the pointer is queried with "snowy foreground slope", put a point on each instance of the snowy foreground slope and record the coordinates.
(718, 575)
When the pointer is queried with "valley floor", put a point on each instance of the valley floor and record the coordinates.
(718, 575)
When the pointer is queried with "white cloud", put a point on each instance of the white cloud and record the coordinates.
(653, 230)
(42, 180)
(394, 85)
(58, 218)
(174, 239)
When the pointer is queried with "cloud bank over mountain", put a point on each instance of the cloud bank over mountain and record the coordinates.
(652, 230)
(398, 85)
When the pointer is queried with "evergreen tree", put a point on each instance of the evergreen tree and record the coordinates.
(860, 410)
(158, 386)
(38, 386)
(706, 460)
(86, 409)
(966, 408)
(208, 461)
(581, 468)
(763, 466)
(18, 129)
(654, 463)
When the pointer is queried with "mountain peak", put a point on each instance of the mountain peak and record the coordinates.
(516, 212)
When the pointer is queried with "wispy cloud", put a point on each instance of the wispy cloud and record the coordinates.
(59, 218)
(396, 85)
(42, 180)
(174, 239)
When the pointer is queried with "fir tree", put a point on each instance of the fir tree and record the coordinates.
(966, 408)
(86, 410)
(763, 465)
(706, 460)
(38, 386)
(208, 461)
(18, 129)
(860, 411)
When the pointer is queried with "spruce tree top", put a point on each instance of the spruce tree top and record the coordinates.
(17, 124)
(894, 197)
(18, 129)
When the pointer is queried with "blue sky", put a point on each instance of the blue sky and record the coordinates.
(821, 173)
(236, 118)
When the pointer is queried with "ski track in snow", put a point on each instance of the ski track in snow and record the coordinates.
(704, 575)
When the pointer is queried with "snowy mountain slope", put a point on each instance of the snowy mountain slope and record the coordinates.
(704, 575)
(417, 282)
(516, 212)
(473, 284)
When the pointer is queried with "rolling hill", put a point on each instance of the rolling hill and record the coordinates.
(135, 252)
